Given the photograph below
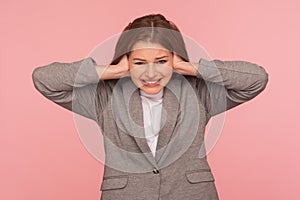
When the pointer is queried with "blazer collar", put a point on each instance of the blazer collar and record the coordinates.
(170, 109)
(180, 118)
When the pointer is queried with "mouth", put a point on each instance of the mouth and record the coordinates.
(151, 83)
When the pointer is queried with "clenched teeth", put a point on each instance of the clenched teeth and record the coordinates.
(151, 82)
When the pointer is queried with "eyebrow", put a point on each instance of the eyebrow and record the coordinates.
(145, 60)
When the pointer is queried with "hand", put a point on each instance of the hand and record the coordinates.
(114, 71)
(183, 67)
(122, 68)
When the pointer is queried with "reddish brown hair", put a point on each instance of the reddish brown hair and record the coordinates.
(150, 28)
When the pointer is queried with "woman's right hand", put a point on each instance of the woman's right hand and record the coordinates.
(114, 71)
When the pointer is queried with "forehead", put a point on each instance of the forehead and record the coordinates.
(148, 49)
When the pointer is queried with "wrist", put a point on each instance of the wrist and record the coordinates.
(103, 72)
(194, 69)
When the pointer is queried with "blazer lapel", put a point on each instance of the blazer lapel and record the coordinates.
(136, 114)
(129, 114)
(170, 109)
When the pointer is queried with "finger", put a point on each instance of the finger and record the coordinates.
(177, 57)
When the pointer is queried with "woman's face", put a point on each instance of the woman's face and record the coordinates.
(151, 66)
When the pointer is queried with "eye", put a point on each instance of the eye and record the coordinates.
(162, 61)
(139, 63)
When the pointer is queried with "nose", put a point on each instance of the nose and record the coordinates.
(150, 72)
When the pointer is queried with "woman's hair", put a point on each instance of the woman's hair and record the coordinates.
(154, 28)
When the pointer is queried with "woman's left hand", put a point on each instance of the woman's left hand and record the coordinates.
(183, 67)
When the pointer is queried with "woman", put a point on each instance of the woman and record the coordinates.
(152, 106)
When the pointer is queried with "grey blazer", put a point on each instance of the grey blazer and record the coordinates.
(179, 169)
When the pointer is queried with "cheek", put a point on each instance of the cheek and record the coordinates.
(166, 70)
(136, 71)
(135, 74)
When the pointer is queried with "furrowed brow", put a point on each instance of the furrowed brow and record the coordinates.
(146, 60)
(139, 59)
(161, 57)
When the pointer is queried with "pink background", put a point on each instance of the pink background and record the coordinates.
(42, 156)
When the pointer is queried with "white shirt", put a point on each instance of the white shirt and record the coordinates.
(152, 108)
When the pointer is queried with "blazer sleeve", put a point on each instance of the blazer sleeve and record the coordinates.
(226, 84)
(74, 86)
